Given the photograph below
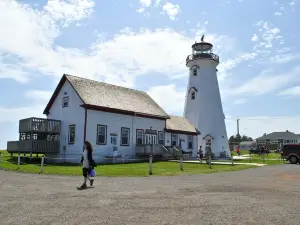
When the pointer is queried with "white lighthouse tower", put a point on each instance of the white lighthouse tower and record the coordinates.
(203, 105)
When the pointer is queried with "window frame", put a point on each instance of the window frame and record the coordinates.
(97, 134)
(65, 99)
(143, 136)
(69, 134)
(158, 139)
(193, 95)
(121, 136)
(195, 71)
(172, 139)
(190, 141)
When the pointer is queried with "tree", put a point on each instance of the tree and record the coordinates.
(237, 138)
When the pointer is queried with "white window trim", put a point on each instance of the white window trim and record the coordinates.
(69, 134)
(176, 135)
(190, 140)
(128, 137)
(65, 99)
(193, 95)
(141, 135)
(195, 69)
(163, 136)
(105, 134)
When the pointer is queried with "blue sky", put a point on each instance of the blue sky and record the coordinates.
(143, 44)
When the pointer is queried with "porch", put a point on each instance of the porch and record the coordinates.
(33, 146)
(158, 150)
(37, 135)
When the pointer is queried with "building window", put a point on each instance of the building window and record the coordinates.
(174, 138)
(65, 101)
(139, 136)
(101, 134)
(71, 134)
(193, 95)
(161, 137)
(125, 135)
(190, 142)
(195, 71)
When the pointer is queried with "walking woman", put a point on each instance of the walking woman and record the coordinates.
(88, 164)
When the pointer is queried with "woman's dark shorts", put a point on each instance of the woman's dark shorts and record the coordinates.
(85, 172)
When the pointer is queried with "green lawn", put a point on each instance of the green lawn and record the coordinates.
(259, 160)
(269, 156)
(119, 170)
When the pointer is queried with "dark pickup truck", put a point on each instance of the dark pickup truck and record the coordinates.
(291, 152)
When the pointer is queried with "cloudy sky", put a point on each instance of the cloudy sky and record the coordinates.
(143, 44)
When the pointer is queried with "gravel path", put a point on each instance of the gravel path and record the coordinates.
(264, 195)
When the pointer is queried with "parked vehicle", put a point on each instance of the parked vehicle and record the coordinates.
(291, 152)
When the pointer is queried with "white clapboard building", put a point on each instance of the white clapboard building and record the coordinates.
(127, 123)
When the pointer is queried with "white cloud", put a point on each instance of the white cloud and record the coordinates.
(144, 4)
(171, 10)
(294, 91)
(69, 10)
(13, 115)
(167, 96)
(40, 96)
(256, 126)
(264, 83)
(118, 60)
(254, 37)
(268, 33)
(157, 3)
(283, 58)
(240, 101)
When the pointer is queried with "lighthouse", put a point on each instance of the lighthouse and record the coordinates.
(203, 105)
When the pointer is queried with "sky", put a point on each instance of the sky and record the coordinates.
(143, 44)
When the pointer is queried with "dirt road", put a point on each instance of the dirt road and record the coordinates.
(266, 195)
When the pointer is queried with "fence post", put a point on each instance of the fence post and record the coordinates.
(150, 165)
(181, 167)
(232, 160)
(19, 161)
(42, 164)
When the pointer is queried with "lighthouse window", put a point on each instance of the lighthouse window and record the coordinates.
(195, 72)
(193, 95)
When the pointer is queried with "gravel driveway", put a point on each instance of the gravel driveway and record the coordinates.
(266, 195)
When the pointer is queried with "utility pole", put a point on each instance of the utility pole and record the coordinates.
(238, 129)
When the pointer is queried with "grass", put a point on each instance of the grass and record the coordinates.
(270, 159)
(122, 170)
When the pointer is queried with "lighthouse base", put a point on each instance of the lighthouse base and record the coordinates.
(219, 145)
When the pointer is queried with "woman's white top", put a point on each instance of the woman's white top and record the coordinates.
(85, 163)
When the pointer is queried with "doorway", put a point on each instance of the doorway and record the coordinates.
(151, 139)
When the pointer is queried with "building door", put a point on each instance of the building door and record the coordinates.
(150, 139)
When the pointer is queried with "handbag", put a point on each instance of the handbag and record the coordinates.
(92, 173)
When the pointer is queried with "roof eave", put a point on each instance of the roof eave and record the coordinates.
(54, 95)
(181, 131)
(120, 111)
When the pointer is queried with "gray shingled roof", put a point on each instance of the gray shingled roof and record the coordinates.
(180, 124)
(280, 135)
(112, 96)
